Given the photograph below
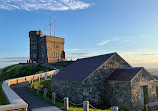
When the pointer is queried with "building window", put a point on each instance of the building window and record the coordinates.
(55, 54)
(33, 46)
(42, 54)
(56, 46)
(34, 55)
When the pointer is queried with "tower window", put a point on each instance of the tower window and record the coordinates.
(34, 55)
(56, 46)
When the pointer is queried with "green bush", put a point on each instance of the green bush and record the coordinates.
(2, 97)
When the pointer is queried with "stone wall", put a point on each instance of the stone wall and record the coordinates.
(118, 93)
(51, 41)
(143, 79)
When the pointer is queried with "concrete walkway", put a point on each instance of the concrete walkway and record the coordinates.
(32, 100)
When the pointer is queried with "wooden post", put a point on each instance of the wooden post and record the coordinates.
(45, 76)
(25, 109)
(29, 84)
(86, 106)
(45, 93)
(66, 103)
(32, 87)
(32, 81)
(114, 108)
(53, 98)
(39, 79)
(38, 88)
(51, 76)
(147, 108)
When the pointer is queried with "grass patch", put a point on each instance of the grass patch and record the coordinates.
(14, 71)
(2, 97)
(157, 91)
(46, 84)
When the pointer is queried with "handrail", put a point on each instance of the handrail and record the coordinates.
(16, 102)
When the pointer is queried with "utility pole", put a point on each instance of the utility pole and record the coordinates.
(54, 27)
(50, 26)
(44, 29)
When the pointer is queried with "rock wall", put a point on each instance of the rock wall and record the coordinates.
(55, 45)
(118, 93)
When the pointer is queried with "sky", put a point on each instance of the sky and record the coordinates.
(90, 27)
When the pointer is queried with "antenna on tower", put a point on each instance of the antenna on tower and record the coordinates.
(44, 29)
(54, 27)
(50, 25)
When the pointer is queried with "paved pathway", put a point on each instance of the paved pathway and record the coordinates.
(32, 100)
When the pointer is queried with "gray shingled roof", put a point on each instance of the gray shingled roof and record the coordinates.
(124, 74)
(82, 68)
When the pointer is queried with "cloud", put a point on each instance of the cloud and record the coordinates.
(103, 42)
(142, 58)
(30, 5)
(73, 49)
(81, 54)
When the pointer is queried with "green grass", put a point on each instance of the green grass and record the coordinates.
(60, 104)
(14, 71)
(2, 97)
(157, 91)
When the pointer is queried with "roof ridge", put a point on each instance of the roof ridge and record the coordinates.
(97, 56)
(131, 68)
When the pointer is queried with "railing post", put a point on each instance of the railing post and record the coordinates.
(25, 109)
(45, 93)
(38, 88)
(114, 108)
(66, 103)
(17, 81)
(51, 76)
(147, 108)
(32, 81)
(29, 84)
(39, 79)
(86, 106)
(32, 87)
(45, 76)
(53, 98)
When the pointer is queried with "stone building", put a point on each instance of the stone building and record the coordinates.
(106, 79)
(45, 49)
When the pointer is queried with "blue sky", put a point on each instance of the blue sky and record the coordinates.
(90, 27)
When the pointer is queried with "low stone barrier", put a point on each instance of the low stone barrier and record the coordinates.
(152, 106)
(16, 102)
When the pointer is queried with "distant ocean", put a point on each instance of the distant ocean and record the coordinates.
(12, 60)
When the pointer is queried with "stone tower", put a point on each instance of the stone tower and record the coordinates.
(45, 49)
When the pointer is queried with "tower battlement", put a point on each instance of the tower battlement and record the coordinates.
(35, 33)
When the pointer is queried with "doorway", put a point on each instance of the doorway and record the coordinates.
(144, 95)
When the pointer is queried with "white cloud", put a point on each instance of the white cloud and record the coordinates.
(103, 42)
(73, 49)
(43, 4)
